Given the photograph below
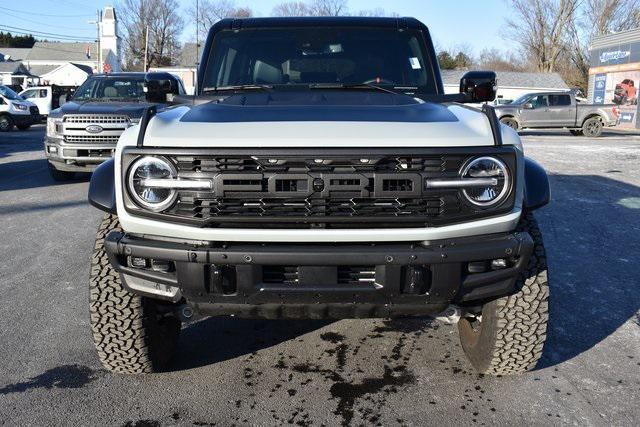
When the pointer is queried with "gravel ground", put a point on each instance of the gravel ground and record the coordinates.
(352, 372)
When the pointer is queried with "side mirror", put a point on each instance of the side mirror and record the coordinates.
(528, 106)
(479, 86)
(160, 87)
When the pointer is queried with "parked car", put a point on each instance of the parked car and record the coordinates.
(320, 172)
(15, 111)
(83, 132)
(47, 98)
(557, 110)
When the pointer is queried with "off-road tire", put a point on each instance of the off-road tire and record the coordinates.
(6, 123)
(59, 175)
(592, 127)
(129, 333)
(509, 336)
(511, 122)
(576, 132)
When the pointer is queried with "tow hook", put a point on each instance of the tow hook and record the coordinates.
(450, 316)
(184, 312)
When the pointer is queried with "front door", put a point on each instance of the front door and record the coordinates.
(538, 115)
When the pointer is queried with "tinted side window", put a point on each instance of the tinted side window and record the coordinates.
(559, 100)
(540, 101)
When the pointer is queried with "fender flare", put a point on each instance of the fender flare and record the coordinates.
(537, 192)
(102, 189)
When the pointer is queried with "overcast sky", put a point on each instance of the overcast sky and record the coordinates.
(476, 23)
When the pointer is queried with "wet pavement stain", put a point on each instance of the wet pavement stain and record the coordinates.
(142, 423)
(347, 393)
(66, 376)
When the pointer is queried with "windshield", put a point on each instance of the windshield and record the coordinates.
(522, 99)
(317, 56)
(111, 88)
(9, 94)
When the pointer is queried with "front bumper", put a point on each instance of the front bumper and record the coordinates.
(25, 119)
(76, 157)
(323, 280)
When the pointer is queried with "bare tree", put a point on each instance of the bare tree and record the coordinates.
(291, 8)
(212, 11)
(540, 28)
(596, 17)
(377, 12)
(329, 7)
(164, 25)
(495, 60)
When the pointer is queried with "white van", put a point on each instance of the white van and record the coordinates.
(15, 111)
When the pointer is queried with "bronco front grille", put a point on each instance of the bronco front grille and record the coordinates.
(320, 189)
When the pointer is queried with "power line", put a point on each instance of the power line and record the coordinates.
(46, 24)
(46, 37)
(45, 34)
(44, 14)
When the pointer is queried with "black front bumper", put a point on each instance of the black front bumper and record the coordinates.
(325, 280)
(25, 119)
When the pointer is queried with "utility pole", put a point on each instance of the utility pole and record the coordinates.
(146, 46)
(195, 75)
(98, 23)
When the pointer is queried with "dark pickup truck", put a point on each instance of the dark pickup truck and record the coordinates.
(83, 132)
(557, 110)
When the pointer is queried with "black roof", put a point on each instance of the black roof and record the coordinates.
(321, 21)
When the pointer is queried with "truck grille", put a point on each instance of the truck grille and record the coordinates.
(96, 119)
(287, 189)
(94, 128)
(92, 139)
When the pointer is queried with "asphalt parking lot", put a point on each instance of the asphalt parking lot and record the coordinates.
(231, 371)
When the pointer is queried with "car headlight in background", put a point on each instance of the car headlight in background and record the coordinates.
(499, 181)
(20, 107)
(144, 175)
(54, 127)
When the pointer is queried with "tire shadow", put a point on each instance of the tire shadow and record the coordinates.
(591, 230)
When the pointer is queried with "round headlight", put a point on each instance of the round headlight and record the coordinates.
(152, 198)
(487, 168)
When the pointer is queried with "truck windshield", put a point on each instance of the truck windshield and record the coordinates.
(319, 56)
(111, 88)
(9, 94)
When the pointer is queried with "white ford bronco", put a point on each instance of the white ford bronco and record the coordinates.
(320, 172)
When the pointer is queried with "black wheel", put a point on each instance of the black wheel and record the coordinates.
(130, 334)
(6, 123)
(592, 127)
(23, 127)
(576, 132)
(508, 335)
(59, 175)
(509, 121)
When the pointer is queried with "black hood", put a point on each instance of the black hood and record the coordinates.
(314, 106)
(131, 109)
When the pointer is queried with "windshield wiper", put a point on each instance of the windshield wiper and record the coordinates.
(354, 86)
(237, 87)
